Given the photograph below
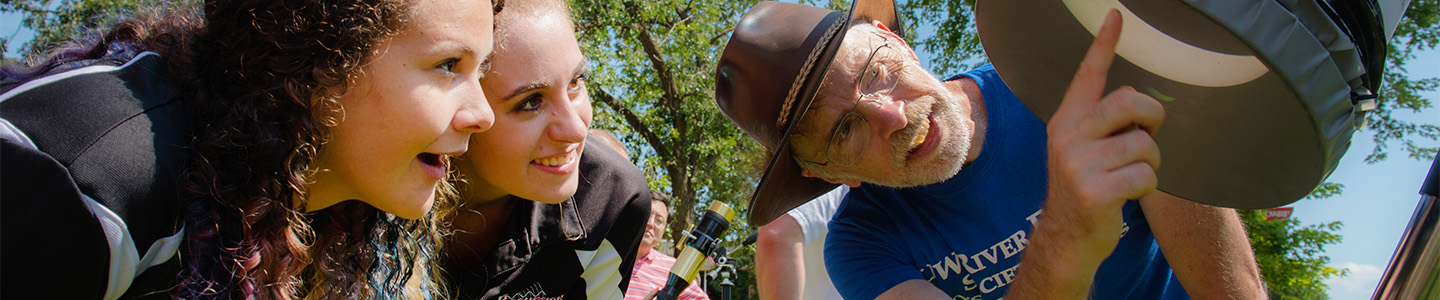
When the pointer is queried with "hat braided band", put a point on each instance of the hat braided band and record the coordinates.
(804, 72)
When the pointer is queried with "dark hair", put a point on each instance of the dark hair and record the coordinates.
(272, 70)
(659, 196)
(260, 75)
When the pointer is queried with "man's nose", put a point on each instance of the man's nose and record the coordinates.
(883, 113)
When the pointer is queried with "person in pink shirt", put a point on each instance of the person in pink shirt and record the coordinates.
(652, 268)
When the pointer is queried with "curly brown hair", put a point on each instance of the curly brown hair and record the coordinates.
(262, 76)
(260, 115)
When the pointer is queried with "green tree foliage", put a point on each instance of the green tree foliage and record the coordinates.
(951, 39)
(652, 80)
(1291, 256)
(1418, 31)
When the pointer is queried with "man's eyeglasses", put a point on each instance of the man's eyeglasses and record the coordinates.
(848, 141)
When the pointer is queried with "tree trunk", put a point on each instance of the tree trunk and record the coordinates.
(682, 198)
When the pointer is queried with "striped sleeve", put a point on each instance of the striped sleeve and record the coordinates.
(649, 276)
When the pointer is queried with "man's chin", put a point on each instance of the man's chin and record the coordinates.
(945, 163)
(920, 178)
(912, 178)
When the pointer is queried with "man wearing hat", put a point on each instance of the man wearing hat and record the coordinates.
(955, 180)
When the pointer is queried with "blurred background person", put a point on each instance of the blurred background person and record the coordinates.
(605, 137)
(652, 267)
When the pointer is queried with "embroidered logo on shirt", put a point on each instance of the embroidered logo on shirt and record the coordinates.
(534, 292)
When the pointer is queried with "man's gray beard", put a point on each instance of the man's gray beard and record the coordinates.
(949, 155)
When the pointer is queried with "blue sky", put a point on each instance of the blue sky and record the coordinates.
(1378, 200)
(10, 29)
(1375, 207)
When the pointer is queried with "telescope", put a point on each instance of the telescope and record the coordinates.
(1414, 270)
(1261, 96)
(698, 244)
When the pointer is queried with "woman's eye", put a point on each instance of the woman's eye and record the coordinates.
(448, 65)
(531, 103)
(578, 81)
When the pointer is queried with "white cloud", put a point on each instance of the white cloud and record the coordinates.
(1362, 280)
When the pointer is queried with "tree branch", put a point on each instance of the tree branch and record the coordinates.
(723, 33)
(635, 124)
(670, 100)
(657, 59)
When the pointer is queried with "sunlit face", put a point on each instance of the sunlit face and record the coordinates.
(536, 87)
(917, 133)
(655, 230)
(416, 102)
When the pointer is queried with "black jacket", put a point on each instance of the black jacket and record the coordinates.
(100, 144)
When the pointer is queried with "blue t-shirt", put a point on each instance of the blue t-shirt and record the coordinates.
(966, 234)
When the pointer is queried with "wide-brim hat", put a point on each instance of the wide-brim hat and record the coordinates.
(1261, 97)
(769, 73)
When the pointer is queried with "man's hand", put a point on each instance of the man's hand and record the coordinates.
(1101, 153)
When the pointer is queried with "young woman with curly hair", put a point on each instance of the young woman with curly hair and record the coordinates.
(545, 211)
(214, 155)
